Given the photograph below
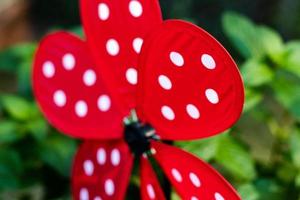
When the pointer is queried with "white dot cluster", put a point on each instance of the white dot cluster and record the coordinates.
(102, 158)
(89, 79)
(194, 179)
(166, 83)
(113, 48)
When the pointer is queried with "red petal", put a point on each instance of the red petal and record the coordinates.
(150, 188)
(192, 178)
(70, 91)
(190, 86)
(101, 171)
(115, 31)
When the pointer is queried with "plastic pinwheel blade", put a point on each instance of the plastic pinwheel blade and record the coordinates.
(192, 178)
(189, 85)
(101, 171)
(115, 31)
(150, 188)
(70, 91)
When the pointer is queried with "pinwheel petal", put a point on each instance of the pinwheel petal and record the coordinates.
(70, 90)
(192, 178)
(189, 87)
(101, 171)
(150, 188)
(115, 31)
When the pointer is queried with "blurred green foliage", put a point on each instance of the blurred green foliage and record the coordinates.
(35, 160)
(260, 155)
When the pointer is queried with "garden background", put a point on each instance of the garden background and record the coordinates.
(260, 155)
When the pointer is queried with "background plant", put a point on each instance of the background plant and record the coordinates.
(260, 155)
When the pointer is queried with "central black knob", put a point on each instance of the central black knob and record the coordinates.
(138, 137)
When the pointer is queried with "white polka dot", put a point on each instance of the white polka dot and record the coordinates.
(165, 82)
(176, 174)
(193, 111)
(137, 44)
(115, 157)
(103, 11)
(152, 151)
(177, 59)
(84, 194)
(150, 191)
(135, 8)
(194, 198)
(195, 180)
(208, 61)
(132, 76)
(109, 187)
(168, 113)
(89, 77)
(60, 98)
(48, 69)
(88, 167)
(112, 47)
(81, 109)
(101, 156)
(218, 196)
(104, 103)
(69, 61)
(212, 96)
(97, 198)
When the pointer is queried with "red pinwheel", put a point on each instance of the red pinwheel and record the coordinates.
(180, 80)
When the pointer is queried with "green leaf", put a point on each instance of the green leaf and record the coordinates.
(253, 98)
(251, 40)
(17, 107)
(38, 128)
(256, 73)
(234, 157)
(24, 51)
(243, 34)
(297, 180)
(11, 58)
(205, 148)
(287, 92)
(58, 151)
(248, 192)
(9, 132)
(291, 61)
(272, 43)
(295, 147)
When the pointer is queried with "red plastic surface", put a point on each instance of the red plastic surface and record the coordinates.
(192, 178)
(189, 86)
(115, 31)
(101, 171)
(150, 187)
(70, 91)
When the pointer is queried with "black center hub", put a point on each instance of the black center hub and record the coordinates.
(138, 137)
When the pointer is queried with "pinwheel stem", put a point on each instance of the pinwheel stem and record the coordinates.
(138, 137)
(167, 185)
